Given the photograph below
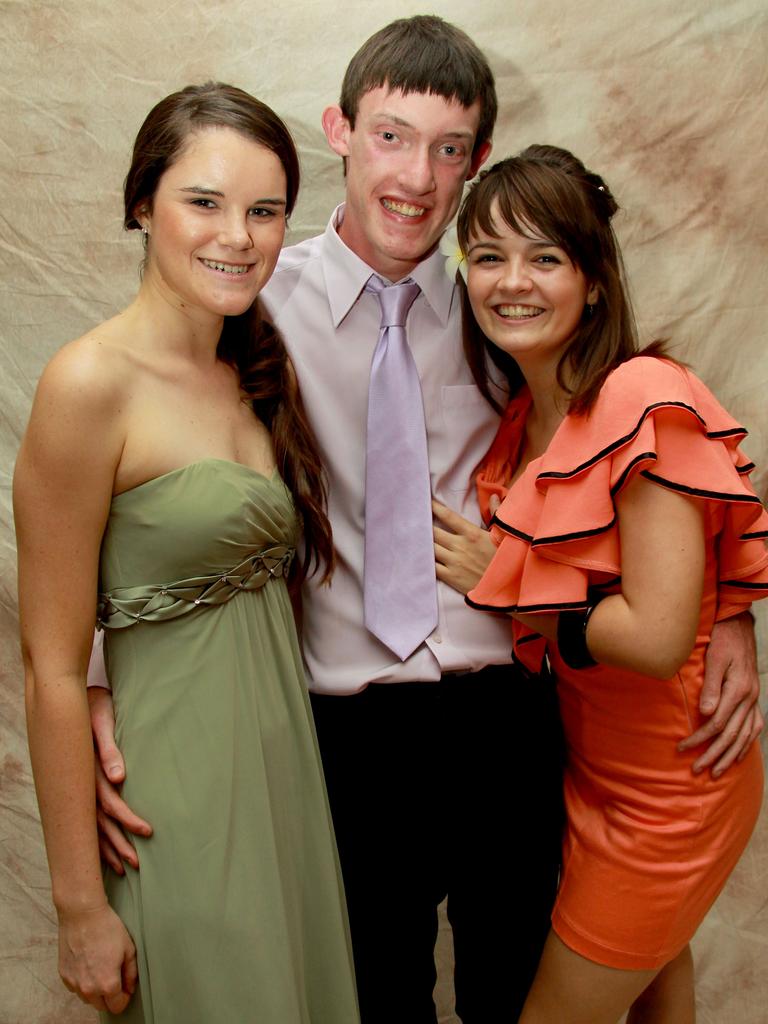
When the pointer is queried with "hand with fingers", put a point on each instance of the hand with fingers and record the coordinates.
(113, 815)
(463, 550)
(97, 959)
(729, 697)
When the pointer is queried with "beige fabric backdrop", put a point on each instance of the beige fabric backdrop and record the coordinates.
(666, 97)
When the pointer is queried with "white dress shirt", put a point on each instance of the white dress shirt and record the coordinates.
(330, 327)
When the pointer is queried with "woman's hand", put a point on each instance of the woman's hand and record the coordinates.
(463, 551)
(97, 958)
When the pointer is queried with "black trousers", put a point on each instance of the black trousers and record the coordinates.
(451, 788)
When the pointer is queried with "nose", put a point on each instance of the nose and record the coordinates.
(234, 233)
(416, 174)
(516, 275)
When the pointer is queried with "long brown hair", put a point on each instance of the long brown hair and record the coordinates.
(550, 189)
(248, 342)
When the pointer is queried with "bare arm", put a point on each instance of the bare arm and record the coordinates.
(62, 490)
(652, 519)
(731, 684)
(650, 626)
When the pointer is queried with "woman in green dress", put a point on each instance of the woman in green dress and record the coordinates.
(166, 468)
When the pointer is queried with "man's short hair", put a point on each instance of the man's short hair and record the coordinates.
(423, 54)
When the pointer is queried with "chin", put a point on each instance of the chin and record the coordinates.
(239, 309)
(231, 306)
(408, 250)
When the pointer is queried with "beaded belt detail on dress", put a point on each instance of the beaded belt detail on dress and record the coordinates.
(125, 606)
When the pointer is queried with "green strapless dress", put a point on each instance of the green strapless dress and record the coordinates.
(238, 909)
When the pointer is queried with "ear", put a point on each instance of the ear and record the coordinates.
(593, 295)
(479, 157)
(143, 215)
(337, 130)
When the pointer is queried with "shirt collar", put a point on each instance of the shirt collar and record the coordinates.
(438, 289)
(346, 275)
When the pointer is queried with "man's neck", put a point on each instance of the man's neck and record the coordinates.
(389, 268)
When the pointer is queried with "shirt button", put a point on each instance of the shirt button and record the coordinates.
(436, 638)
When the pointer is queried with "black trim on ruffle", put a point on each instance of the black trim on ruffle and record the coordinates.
(743, 585)
(732, 432)
(526, 609)
(537, 542)
(614, 581)
(528, 639)
(750, 499)
(712, 434)
(543, 541)
(495, 521)
(643, 457)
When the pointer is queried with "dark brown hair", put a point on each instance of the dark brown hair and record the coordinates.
(170, 123)
(549, 189)
(248, 342)
(423, 54)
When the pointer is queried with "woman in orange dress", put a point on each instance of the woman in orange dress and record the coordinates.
(625, 527)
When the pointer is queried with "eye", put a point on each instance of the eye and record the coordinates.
(548, 258)
(261, 212)
(450, 149)
(203, 204)
(388, 136)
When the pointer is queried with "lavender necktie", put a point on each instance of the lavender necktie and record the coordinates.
(399, 582)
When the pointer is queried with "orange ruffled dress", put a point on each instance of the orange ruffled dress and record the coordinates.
(648, 844)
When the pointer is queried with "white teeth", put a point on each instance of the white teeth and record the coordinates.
(228, 268)
(519, 312)
(404, 209)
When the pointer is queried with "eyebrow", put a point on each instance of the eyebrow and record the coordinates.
(535, 243)
(483, 245)
(385, 115)
(201, 190)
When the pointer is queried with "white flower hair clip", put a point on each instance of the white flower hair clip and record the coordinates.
(454, 257)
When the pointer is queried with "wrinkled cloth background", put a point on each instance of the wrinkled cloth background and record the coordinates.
(666, 98)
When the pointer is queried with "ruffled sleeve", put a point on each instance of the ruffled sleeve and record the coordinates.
(556, 528)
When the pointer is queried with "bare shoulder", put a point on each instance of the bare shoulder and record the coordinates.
(78, 414)
(95, 369)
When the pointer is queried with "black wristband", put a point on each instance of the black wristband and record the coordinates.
(572, 638)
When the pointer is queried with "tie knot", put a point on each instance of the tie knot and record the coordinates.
(395, 299)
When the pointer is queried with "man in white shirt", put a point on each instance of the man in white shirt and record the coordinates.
(419, 753)
(432, 760)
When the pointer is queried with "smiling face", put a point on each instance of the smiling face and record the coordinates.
(526, 294)
(216, 223)
(407, 159)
